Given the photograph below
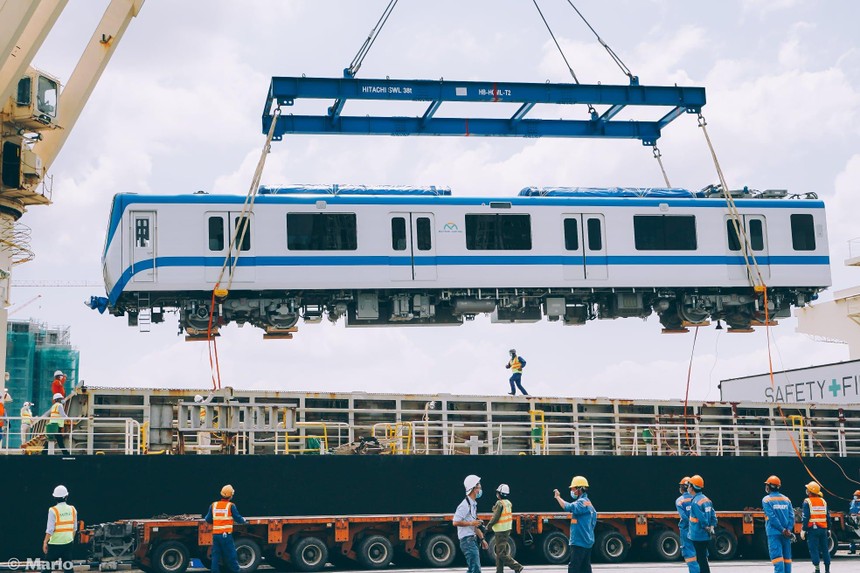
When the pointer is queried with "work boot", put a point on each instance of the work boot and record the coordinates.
(512, 393)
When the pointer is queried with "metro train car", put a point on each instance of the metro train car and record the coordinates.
(394, 256)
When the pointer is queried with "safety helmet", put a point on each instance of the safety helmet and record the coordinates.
(58, 373)
(504, 489)
(813, 487)
(512, 351)
(774, 481)
(60, 491)
(198, 398)
(58, 396)
(697, 482)
(228, 491)
(684, 481)
(578, 481)
(471, 482)
(857, 493)
(27, 404)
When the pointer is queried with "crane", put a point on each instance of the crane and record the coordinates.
(24, 304)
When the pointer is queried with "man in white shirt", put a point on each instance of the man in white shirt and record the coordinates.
(468, 525)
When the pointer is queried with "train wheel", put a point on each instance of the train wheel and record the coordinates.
(170, 557)
(665, 545)
(249, 554)
(438, 550)
(375, 552)
(491, 550)
(611, 547)
(309, 554)
(556, 548)
(724, 546)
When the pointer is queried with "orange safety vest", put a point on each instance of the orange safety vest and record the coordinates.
(64, 525)
(505, 522)
(2, 413)
(222, 517)
(817, 512)
(516, 365)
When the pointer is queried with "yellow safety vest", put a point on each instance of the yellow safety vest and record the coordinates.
(202, 415)
(817, 512)
(65, 516)
(222, 517)
(26, 416)
(516, 366)
(55, 421)
(506, 521)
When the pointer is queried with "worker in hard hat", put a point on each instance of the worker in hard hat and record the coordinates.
(703, 521)
(58, 386)
(816, 526)
(779, 525)
(682, 504)
(501, 524)
(222, 515)
(26, 422)
(516, 365)
(3, 424)
(57, 418)
(204, 439)
(469, 531)
(62, 525)
(583, 519)
(854, 517)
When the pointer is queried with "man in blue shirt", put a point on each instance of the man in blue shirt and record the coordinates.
(703, 522)
(222, 515)
(468, 525)
(816, 526)
(854, 516)
(682, 504)
(583, 519)
(779, 525)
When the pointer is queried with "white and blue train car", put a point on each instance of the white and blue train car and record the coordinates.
(396, 256)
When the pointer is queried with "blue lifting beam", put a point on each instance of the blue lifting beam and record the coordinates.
(284, 91)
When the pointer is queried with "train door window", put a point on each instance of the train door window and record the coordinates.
(243, 225)
(732, 234)
(595, 236)
(756, 235)
(216, 233)
(498, 233)
(398, 233)
(664, 232)
(141, 232)
(802, 233)
(571, 234)
(323, 232)
(424, 236)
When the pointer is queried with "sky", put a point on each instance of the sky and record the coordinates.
(178, 110)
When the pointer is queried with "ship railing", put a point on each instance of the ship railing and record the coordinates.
(311, 438)
(81, 436)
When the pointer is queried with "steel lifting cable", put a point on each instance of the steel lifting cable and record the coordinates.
(609, 50)
(355, 64)
(687, 392)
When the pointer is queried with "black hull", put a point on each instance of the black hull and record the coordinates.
(107, 488)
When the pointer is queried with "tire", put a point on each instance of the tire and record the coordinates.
(665, 545)
(170, 557)
(491, 550)
(611, 547)
(832, 543)
(724, 546)
(249, 554)
(555, 548)
(309, 554)
(375, 552)
(438, 550)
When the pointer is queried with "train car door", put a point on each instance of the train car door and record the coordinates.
(142, 235)
(584, 246)
(220, 227)
(573, 261)
(412, 248)
(755, 227)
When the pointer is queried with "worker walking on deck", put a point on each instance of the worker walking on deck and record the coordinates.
(26, 422)
(583, 519)
(501, 524)
(703, 522)
(854, 517)
(56, 421)
(469, 526)
(3, 424)
(58, 386)
(816, 526)
(204, 439)
(682, 504)
(779, 525)
(516, 365)
(222, 515)
(62, 525)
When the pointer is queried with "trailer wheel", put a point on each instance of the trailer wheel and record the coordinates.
(665, 545)
(309, 554)
(170, 557)
(724, 546)
(491, 549)
(832, 544)
(611, 547)
(248, 554)
(438, 550)
(375, 552)
(556, 548)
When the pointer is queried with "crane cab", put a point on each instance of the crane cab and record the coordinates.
(35, 102)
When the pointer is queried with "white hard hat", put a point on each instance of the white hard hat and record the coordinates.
(61, 491)
(470, 482)
(503, 489)
(27, 404)
(58, 396)
(198, 398)
(58, 373)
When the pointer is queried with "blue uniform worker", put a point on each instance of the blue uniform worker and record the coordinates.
(682, 504)
(854, 515)
(583, 519)
(779, 525)
(222, 515)
(816, 526)
(703, 522)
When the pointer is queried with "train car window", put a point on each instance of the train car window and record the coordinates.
(424, 235)
(732, 234)
(664, 232)
(498, 233)
(216, 233)
(756, 235)
(595, 236)
(321, 232)
(241, 222)
(802, 233)
(571, 234)
(141, 232)
(398, 234)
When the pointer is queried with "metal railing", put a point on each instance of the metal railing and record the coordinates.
(80, 436)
